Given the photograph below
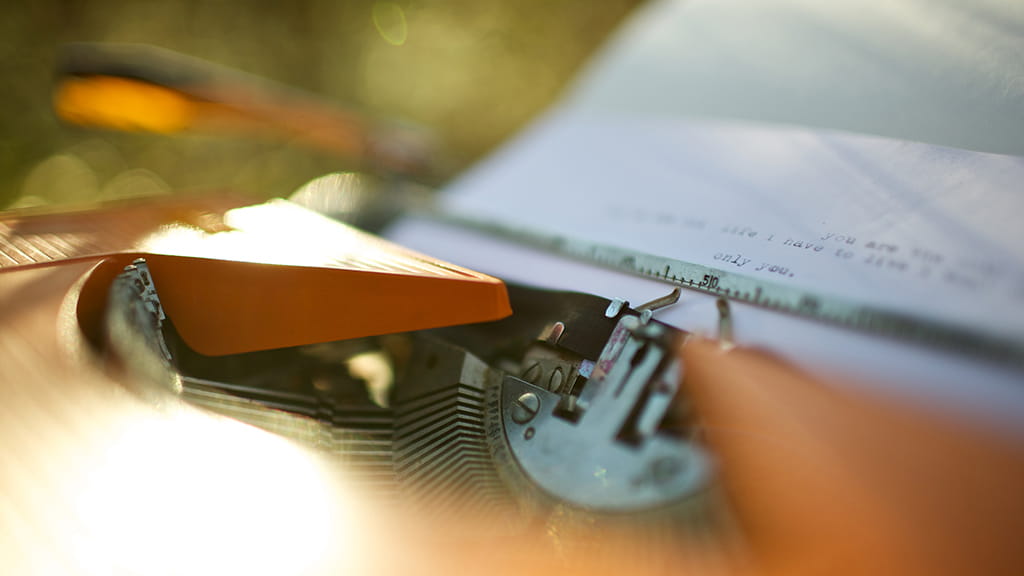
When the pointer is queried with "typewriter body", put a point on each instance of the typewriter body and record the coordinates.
(572, 403)
(213, 385)
(566, 414)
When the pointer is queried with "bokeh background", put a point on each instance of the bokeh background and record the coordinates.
(473, 70)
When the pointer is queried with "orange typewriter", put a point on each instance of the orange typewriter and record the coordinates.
(209, 385)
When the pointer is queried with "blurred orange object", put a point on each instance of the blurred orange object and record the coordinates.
(236, 278)
(148, 89)
(826, 480)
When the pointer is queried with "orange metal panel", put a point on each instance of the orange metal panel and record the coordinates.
(236, 278)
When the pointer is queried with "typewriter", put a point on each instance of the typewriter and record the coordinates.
(556, 422)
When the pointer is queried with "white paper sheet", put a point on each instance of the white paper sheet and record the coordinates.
(903, 225)
(837, 212)
(907, 226)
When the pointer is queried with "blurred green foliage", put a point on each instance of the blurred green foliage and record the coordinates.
(474, 70)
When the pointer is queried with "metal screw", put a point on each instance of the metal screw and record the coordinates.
(525, 408)
(555, 380)
(532, 374)
(663, 470)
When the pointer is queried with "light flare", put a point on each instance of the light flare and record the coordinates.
(196, 494)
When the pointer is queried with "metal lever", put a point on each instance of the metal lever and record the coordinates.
(612, 456)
